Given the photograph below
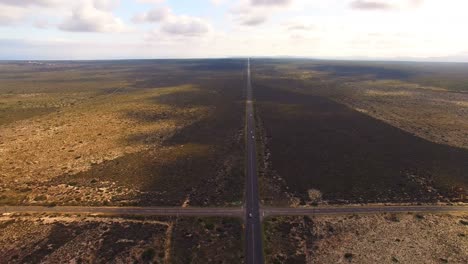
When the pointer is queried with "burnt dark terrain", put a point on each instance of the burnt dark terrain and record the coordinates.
(314, 142)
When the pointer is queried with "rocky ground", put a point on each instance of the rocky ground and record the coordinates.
(383, 238)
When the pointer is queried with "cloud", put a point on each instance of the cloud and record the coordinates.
(41, 23)
(99, 4)
(150, 1)
(106, 4)
(270, 2)
(26, 3)
(88, 18)
(416, 3)
(154, 15)
(10, 15)
(185, 26)
(300, 27)
(253, 20)
(257, 12)
(249, 17)
(370, 5)
(383, 5)
(172, 24)
(76, 16)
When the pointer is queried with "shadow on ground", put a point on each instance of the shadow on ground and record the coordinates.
(349, 156)
(201, 162)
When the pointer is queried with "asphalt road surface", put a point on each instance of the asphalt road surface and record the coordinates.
(253, 233)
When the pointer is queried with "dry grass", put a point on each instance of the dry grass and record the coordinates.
(81, 239)
(104, 239)
(76, 139)
(438, 116)
(68, 126)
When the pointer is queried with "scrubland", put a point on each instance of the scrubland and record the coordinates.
(383, 238)
(102, 239)
(356, 132)
(171, 133)
(136, 132)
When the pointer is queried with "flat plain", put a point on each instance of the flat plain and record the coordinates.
(171, 133)
(122, 133)
(126, 239)
(361, 132)
(378, 238)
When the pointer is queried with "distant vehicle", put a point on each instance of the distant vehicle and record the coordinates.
(250, 215)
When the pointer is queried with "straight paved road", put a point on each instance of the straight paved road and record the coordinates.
(162, 211)
(330, 210)
(254, 249)
(253, 232)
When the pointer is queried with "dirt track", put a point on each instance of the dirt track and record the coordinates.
(238, 211)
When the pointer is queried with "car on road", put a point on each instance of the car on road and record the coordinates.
(250, 215)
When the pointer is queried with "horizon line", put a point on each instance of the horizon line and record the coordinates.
(377, 59)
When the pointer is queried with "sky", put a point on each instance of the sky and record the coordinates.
(146, 29)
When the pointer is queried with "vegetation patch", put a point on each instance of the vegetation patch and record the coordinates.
(366, 239)
(331, 134)
(120, 133)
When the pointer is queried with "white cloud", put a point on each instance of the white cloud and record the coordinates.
(84, 15)
(253, 20)
(41, 23)
(88, 18)
(10, 15)
(26, 3)
(185, 26)
(106, 4)
(172, 24)
(154, 15)
(299, 26)
(370, 5)
(270, 2)
(257, 12)
(385, 5)
(416, 3)
(150, 1)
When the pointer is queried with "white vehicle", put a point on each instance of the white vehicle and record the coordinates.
(250, 215)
